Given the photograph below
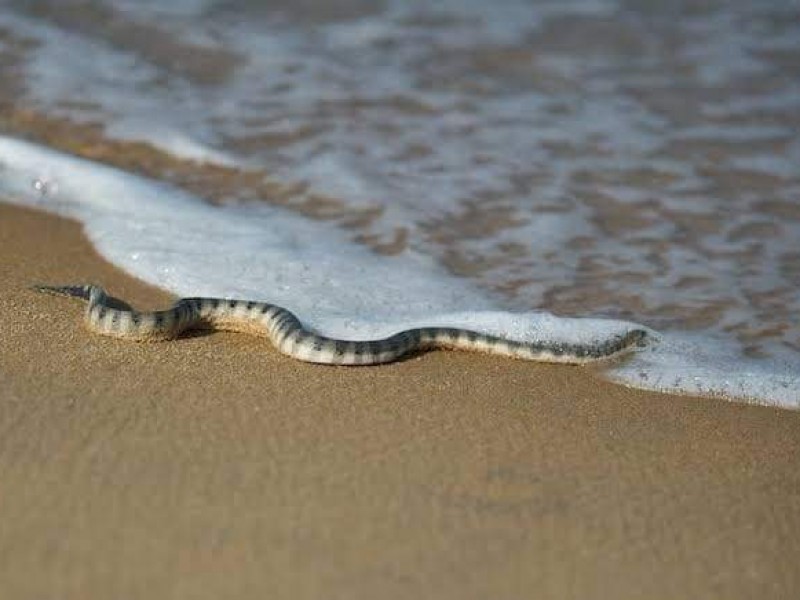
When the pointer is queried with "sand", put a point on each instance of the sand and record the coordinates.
(212, 467)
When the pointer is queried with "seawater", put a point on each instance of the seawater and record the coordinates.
(633, 160)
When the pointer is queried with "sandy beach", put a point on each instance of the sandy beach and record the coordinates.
(213, 467)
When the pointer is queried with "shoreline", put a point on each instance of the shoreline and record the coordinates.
(727, 377)
(212, 466)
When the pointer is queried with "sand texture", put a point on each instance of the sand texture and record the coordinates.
(213, 467)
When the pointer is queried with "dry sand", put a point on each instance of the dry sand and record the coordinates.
(212, 467)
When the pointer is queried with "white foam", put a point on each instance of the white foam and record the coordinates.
(683, 363)
(174, 240)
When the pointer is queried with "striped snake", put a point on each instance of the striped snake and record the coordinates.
(108, 316)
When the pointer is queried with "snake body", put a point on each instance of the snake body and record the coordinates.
(107, 317)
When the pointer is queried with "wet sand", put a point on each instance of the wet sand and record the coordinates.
(212, 467)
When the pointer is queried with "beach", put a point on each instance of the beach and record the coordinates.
(556, 172)
(213, 467)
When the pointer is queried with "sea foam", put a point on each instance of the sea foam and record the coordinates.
(174, 240)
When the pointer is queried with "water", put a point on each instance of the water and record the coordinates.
(635, 160)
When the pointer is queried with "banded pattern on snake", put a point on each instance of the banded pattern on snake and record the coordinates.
(108, 316)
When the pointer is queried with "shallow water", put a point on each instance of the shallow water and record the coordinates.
(636, 160)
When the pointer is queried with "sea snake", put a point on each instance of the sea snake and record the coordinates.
(109, 316)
